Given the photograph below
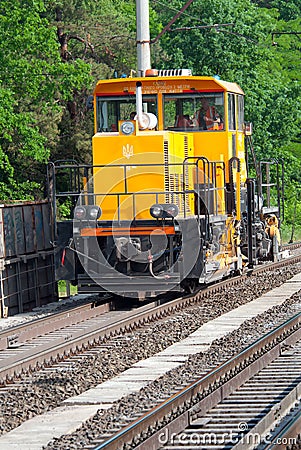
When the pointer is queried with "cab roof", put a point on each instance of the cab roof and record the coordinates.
(157, 83)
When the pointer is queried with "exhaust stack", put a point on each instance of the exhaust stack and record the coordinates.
(143, 36)
(145, 120)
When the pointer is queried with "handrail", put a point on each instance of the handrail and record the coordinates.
(202, 165)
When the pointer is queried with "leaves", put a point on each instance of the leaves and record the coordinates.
(52, 53)
(34, 84)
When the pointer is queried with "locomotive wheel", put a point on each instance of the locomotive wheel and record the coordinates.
(190, 285)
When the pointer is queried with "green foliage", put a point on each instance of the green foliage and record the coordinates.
(289, 10)
(53, 52)
(64, 209)
(243, 52)
(63, 290)
(292, 220)
(34, 83)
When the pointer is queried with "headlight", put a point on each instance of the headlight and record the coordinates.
(168, 210)
(80, 212)
(94, 212)
(156, 211)
(171, 210)
(127, 128)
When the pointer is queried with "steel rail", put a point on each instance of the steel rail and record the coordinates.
(71, 342)
(75, 341)
(19, 334)
(291, 245)
(281, 439)
(174, 414)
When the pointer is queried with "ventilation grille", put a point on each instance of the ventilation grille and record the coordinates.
(166, 171)
(186, 178)
(174, 186)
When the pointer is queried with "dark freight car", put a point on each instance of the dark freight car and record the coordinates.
(26, 257)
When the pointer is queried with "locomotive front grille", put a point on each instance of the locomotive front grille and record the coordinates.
(166, 172)
(186, 178)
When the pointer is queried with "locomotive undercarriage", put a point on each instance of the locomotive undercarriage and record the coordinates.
(196, 252)
(157, 256)
(146, 265)
(141, 265)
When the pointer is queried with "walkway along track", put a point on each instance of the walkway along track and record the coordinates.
(186, 407)
(67, 335)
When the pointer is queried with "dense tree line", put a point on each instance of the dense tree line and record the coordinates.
(53, 51)
(260, 50)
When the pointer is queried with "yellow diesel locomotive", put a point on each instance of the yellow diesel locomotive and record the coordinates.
(168, 203)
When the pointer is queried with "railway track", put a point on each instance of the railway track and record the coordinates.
(18, 335)
(234, 406)
(60, 372)
(46, 341)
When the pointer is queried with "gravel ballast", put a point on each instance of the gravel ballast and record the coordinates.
(47, 389)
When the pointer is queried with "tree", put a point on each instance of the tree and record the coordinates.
(244, 53)
(102, 34)
(34, 81)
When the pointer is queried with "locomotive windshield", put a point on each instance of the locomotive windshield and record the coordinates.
(112, 109)
(199, 111)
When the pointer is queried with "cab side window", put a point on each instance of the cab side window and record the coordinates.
(231, 112)
(241, 119)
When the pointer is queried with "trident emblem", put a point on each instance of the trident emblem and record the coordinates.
(128, 150)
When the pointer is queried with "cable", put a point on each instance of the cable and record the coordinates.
(175, 10)
(218, 28)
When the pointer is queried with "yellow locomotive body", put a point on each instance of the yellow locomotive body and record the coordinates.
(167, 203)
(166, 143)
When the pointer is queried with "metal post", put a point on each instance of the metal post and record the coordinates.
(68, 291)
(143, 36)
(37, 282)
(281, 214)
(268, 182)
(19, 287)
(4, 309)
(250, 222)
